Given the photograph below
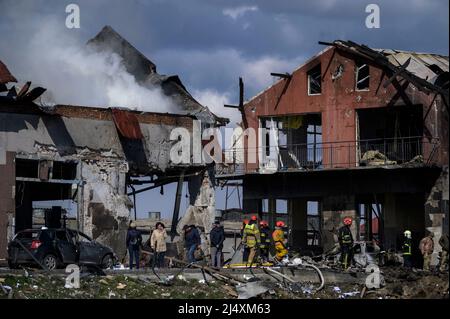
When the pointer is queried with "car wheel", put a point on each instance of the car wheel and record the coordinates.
(107, 262)
(50, 261)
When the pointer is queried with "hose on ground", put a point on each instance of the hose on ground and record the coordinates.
(319, 272)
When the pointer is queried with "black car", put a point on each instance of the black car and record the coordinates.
(58, 247)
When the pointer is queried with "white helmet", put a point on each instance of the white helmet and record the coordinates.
(407, 233)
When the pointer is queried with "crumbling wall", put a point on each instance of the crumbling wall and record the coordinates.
(106, 207)
(202, 208)
(436, 212)
(335, 208)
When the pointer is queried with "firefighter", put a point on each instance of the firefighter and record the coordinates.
(245, 251)
(407, 249)
(279, 241)
(265, 241)
(346, 243)
(251, 238)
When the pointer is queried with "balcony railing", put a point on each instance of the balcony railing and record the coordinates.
(348, 154)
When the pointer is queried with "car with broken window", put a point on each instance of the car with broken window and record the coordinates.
(55, 248)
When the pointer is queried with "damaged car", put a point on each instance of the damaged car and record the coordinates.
(55, 248)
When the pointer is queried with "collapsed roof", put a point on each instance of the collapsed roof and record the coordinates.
(427, 72)
(144, 71)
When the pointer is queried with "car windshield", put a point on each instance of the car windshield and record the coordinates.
(29, 234)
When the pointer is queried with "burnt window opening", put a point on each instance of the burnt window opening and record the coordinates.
(315, 80)
(298, 140)
(369, 221)
(362, 76)
(313, 217)
(391, 134)
(27, 168)
(64, 170)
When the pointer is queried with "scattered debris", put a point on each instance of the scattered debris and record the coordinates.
(375, 157)
(251, 289)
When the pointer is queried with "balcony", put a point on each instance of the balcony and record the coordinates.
(349, 154)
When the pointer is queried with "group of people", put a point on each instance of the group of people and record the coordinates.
(259, 239)
(157, 244)
(426, 247)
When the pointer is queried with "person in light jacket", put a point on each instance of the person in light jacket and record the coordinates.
(158, 244)
(426, 247)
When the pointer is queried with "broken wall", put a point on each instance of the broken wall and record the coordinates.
(334, 209)
(106, 206)
(87, 136)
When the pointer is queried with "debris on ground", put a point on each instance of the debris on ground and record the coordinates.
(399, 284)
(375, 157)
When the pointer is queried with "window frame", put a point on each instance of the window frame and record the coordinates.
(358, 66)
(308, 77)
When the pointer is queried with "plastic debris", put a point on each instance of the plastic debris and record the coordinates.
(251, 289)
(121, 286)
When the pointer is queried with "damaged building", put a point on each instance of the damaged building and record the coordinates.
(355, 132)
(93, 156)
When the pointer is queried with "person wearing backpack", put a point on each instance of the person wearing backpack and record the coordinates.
(134, 240)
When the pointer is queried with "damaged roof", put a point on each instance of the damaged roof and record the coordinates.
(145, 73)
(427, 72)
(5, 75)
(427, 66)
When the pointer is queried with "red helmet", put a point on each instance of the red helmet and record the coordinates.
(280, 223)
(254, 217)
(348, 221)
(264, 223)
(245, 221)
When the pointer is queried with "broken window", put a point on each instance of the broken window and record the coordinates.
(281, 206)
(390, 135)
(314, 138)
(299, 140)
(369, 214)
(362, 76)
(315, 80)
(313, 221)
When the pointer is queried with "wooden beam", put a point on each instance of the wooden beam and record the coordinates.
(282, 75)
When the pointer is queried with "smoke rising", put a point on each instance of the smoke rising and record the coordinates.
(56, 58)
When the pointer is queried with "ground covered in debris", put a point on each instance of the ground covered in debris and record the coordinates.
(399, 283)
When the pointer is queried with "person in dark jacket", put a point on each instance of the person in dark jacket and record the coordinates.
(191, 241)
(134, 240)
(346, 243)
(217, 237)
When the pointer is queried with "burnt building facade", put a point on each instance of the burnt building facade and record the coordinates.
(352, 132)
(94, 156)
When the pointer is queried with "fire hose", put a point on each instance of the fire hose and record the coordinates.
(322, 279)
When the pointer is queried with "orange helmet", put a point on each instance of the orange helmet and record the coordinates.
(245, 221)
(264, 223)
(254, 217)
(280, 223)
(348, 221)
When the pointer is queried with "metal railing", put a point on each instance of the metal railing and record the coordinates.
(346, 154)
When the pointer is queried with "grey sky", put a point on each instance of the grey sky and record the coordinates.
(210, 43)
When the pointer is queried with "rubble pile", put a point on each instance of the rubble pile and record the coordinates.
(398, 284)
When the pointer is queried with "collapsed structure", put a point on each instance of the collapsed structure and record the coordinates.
(352, 132)
(91, 155)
